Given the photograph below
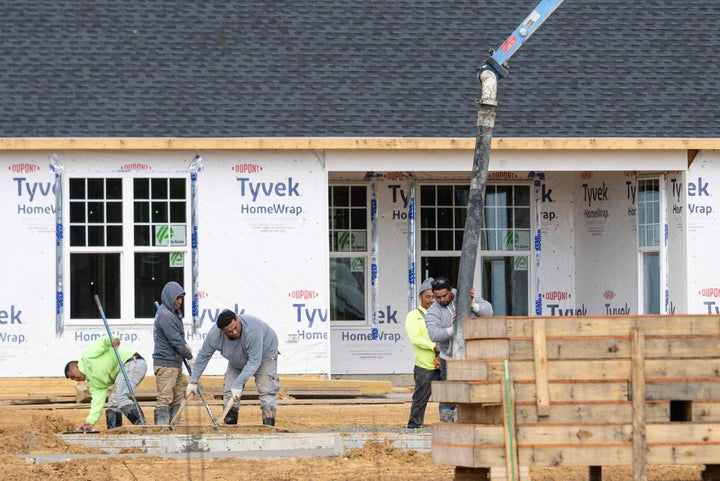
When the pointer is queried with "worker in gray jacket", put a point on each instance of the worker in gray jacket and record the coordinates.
(440, 322)
(170, 350)
(251, 348)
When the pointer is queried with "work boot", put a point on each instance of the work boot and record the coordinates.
(162, 415)
(269, 421)
(173, 411)
(134, 414)
(232, 416)
(113, 418)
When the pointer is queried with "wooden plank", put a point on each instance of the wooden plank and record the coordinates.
(468, 456)
(488, 349)
(638, 390)
(489, 393)
(573, 413)
(705, 411)
(580, 348)
(485, 327)
(576, 455)
(469, 434)
(603, 326)
(541, 367)
(581, 434)
(682, 390)
(604, 369)
(466, 370)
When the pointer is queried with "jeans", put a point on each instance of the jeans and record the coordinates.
(421, 395)
(447, 411)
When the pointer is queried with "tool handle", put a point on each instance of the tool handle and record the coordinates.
(131, 391)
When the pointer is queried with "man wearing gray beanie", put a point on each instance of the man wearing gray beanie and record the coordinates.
(426, 364)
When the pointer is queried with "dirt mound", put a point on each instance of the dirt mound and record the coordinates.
(40, 436)
(383, 450)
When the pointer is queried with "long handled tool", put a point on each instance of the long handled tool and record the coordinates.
(205, 403)
(227, 408)
(183, 405)
(120, 362)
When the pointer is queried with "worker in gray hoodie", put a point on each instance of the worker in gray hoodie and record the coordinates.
(170, 350)
(251, 348)
(440, 322)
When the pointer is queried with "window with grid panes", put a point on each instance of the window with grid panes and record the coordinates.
(348, 222)
(127, 238)
(505, 240)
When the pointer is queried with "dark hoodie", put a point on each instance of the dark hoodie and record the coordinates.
(168, 331)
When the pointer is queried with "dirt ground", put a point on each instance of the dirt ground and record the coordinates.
(25, 430)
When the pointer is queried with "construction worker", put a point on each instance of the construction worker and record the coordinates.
(99, 366)
(170, 350)
(440, 321)
(251, 348)
(427, 365)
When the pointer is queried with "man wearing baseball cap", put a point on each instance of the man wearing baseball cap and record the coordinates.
(427, 366)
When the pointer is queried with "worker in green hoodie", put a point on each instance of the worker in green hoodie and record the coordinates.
(99, 366)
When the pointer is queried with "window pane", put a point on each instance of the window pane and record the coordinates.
(505, 284)
(77, 188)
(92, 274)
(77, 211)
(358, 196)
(427, 195)
(444, 195)
(114, 212)
(178, 212)
(141, 188)
(347, 289)
(651, 283)
(152, 272)
(96, 212)
(177, 189)
(113, 189)
(159, 188)
(341, 196)
(159, 212)
(95, 189)
(114, 235)
(358, 218)
(427, 218)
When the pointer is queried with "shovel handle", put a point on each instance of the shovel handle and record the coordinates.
(227, 408)
(183, 404)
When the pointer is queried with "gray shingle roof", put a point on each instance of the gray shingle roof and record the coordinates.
(388, 68)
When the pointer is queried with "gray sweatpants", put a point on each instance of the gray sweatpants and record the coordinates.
(266, 382)
(120, 396)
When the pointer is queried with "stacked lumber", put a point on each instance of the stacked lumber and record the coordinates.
(583, 391)
(48, 390)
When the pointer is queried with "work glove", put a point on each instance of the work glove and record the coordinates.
(236, 392)
(191, 388)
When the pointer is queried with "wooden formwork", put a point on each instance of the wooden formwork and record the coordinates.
(583, 391)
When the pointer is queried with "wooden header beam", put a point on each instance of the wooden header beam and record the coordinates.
(347, 143)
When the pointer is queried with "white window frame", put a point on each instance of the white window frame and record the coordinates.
(365, 255)
(127, 251)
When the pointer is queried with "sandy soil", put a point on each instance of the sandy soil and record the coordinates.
(33, 431)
